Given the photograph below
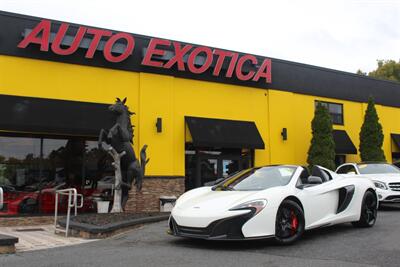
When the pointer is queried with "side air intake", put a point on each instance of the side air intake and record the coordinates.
(345, 196)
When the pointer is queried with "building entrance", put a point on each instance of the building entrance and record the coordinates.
(204, 167)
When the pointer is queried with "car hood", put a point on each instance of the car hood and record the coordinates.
(215, 201)
(386, 177)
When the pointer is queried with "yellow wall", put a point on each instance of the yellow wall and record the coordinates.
(156, 100)
(295, 112)
(390, 120)
(172, 99)
(215, 100)
(281, 115)
(152, 96)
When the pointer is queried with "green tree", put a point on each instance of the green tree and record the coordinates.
(387, 69)
(371, 135)
(360, 72)
(322, 148)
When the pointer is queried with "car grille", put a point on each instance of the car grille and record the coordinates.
(394, 186)
(393, 198)
(193, 230)
(190, 230)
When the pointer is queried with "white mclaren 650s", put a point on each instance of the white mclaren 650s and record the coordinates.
(280, 202)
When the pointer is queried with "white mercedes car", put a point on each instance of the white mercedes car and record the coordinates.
(386, 178)
(280, 201)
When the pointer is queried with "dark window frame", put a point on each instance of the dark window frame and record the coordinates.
(42, 137)
(333, 114)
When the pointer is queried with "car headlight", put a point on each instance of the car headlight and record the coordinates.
(380, 185)
(257, 205)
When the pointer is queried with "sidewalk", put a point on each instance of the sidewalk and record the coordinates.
(39, 237)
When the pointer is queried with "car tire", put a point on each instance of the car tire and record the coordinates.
(289, 223)
(28, 206)
(369, 210)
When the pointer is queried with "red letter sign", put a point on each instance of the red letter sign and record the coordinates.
(232, 65)
(55, 46)
(239, 66)
(195, 59)
(264, 71)
(130, 44)
(33, 37)
(96, 40)
(178, 58)
(194, 54)
(152, 50)
(221, 57)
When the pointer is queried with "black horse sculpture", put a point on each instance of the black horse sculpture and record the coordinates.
(120, 137)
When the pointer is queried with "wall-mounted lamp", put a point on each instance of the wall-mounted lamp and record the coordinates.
(159, 125)
(284, 134)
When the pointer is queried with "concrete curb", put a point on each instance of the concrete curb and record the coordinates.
(7, 244)
(94, 229)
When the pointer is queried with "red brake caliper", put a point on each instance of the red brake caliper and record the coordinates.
(294, 222)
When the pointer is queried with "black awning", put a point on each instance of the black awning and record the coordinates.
(396, 139)
(343, 143)
(40, 115)
(224, 133)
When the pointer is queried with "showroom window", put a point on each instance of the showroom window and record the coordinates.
(335, 110)
(33, 167)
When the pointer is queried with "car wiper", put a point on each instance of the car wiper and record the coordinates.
(222, 188)
(226, 188)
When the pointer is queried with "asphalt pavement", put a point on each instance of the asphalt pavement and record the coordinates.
(340, 245)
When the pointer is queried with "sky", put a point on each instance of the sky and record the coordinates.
(340, 34)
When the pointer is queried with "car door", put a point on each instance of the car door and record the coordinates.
(319, 202)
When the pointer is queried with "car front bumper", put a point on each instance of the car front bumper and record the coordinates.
(223, 229)
(388, 196)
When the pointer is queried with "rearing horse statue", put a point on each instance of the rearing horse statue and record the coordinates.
(120, 137)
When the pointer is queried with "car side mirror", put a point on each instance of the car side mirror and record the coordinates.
(314, 180)
(351, 172)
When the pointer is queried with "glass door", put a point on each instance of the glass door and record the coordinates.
(204, 167)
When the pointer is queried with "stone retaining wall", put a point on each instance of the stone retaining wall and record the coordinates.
(24, 221)
(148, 200)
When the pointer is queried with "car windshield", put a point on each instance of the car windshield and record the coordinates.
(377, 168)
(258, 178)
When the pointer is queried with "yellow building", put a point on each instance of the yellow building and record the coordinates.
(203, 112)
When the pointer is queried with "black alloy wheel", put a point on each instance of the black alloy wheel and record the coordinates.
(369, 211)
(289, 224)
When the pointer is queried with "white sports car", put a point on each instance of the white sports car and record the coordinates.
(274, 201)
(386, 178)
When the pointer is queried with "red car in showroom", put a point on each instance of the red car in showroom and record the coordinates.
(40, 199)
